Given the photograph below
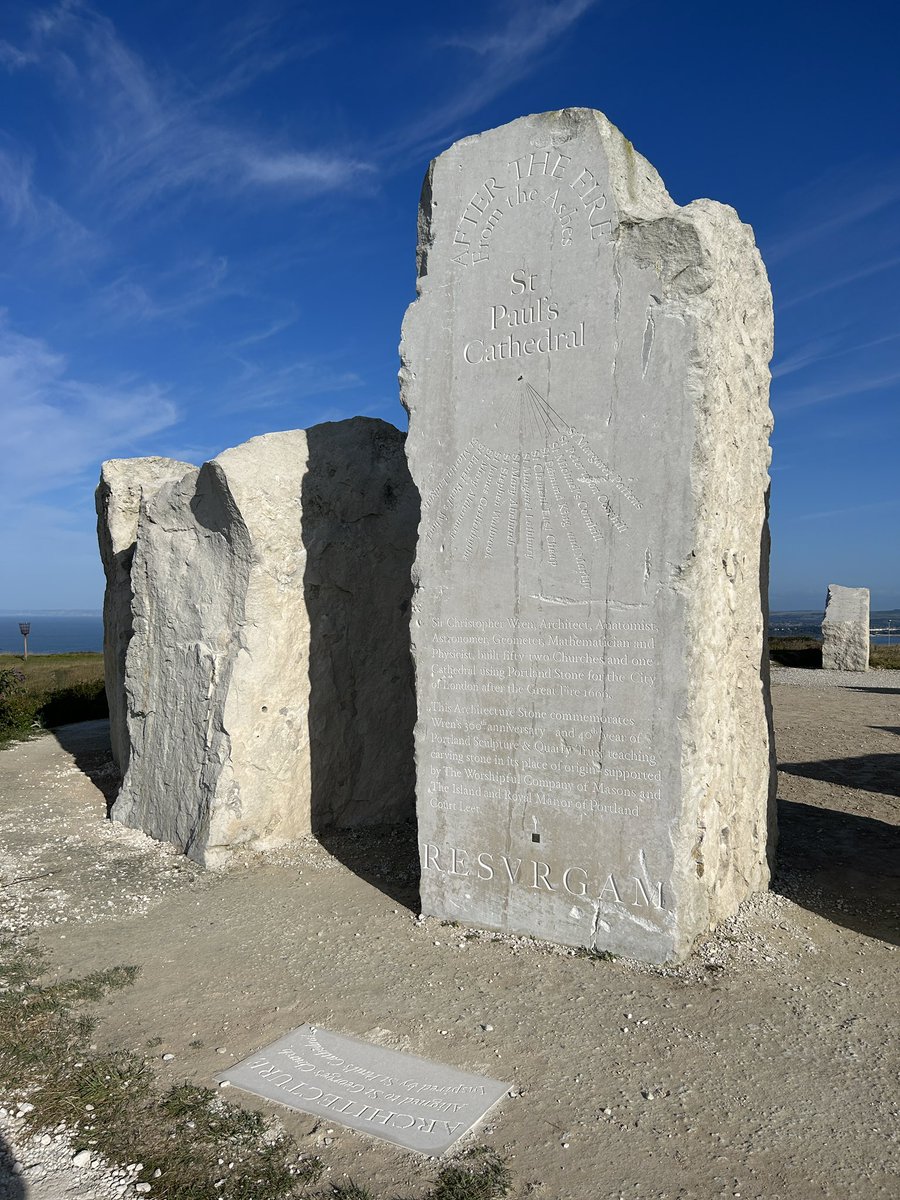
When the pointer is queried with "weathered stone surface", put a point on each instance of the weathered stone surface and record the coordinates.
(123, 483)
(269, 676)
(586, 372)
(845, 629)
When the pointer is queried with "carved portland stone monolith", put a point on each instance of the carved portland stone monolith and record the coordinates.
(268, 677)
(586, 373)
(845, 629)
(124, 483)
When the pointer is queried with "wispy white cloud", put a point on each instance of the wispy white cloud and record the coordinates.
(270, 331)
(505, 54)
(57, 426)
(170, 295)
(821, 350)
(814, 394)
(848, 206)
(37, 219)
(260, 387)
(843, 512)
(151, 135)
(839, 281)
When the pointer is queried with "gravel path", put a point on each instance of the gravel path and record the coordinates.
(763, 1067)
(804, 677)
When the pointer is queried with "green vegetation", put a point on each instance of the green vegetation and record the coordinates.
(190, 1143)
(479, 1174)
(48, 690)
(594, 954)
(807, 652)
(885, 657)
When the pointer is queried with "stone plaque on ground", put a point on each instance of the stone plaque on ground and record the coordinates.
(410, 1101)
(845, 629)
(586, 373)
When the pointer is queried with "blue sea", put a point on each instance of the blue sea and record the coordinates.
(61, 633)
(884, 627)
(57, 633)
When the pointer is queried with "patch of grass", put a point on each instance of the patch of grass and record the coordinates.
(807, 652)
(192, 1144)
(478, 1174)
(347, 1191)
(200, 1145)
(49, 690)
(594, 954)
(885, 658)
(796, 652)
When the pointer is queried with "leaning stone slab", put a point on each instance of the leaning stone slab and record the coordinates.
(414, 1103)
(269, 675)
(124, 482)
(586, 373)
(845, 629)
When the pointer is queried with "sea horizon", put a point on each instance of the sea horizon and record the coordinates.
(73, 631)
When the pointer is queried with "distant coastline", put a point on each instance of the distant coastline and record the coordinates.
(52, 632)
(57, 631)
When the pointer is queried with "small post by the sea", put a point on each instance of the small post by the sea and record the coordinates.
(25, 629)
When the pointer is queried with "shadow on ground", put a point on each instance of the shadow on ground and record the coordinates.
(869, 772)
(11, 1185)
(88, 743)
(843, 866)
(796, 652)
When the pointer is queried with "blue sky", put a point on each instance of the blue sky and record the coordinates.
(208, 219)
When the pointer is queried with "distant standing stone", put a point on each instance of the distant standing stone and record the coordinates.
(845, 629)
(586, 373)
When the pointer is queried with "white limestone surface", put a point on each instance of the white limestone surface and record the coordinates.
(845, 629)
(269, 676)
(124, 482)
(586, 373)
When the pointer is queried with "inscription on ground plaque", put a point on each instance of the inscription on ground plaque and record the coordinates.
(414, 1103)
(586, 375)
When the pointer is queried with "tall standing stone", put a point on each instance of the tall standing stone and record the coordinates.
(124, 483)
(269, 678)
(845, 629)
(586, 373)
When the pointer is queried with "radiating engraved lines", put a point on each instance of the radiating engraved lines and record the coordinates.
(564, 519)
(502, 477)
(606, 473)
(546, 497)
(478, 523)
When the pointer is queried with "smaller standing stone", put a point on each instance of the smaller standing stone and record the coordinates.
(845, 629)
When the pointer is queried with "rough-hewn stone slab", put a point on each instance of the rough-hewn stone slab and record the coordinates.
(410, 1101)
(845, 629)
(586, 372)
(124, 482)
(269, 677)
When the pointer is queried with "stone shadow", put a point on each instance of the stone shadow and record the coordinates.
(844, 866)
(876, 691)
(89, 744)
(360, 515)
(868, 772)
(12, 1186)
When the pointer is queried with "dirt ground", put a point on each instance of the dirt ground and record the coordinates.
(764, 1068)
